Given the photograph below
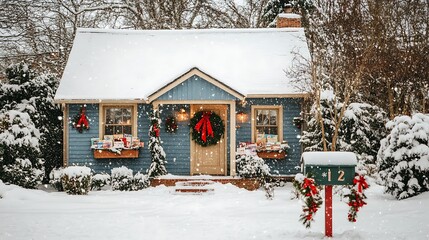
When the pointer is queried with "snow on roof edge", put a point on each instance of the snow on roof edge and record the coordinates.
(173, 31)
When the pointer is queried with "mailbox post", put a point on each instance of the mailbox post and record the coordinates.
(329, 168)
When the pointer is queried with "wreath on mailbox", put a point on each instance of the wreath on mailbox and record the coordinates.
(207, 128)
(309, 192)
(307, 189)
(356, 197)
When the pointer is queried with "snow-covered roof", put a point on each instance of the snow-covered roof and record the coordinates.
(107, 64)
(329, 158)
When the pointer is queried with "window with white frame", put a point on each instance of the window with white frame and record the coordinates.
(267, 124)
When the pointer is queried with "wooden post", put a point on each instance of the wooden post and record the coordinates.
(328, 210)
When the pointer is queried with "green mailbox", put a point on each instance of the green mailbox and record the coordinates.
(330, 168)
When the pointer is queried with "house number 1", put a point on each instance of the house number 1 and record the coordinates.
(340, 177)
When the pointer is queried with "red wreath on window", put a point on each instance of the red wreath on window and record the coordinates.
(80, 121)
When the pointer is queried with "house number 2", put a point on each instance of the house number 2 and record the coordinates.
(340, 176)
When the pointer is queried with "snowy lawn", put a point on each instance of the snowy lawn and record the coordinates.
(230, 213)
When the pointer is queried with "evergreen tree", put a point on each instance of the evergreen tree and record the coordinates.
(403, 159)
(312, 137)
(361, 132)
(33, 96)
(157, 167)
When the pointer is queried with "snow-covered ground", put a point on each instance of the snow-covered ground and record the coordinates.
(229, 213)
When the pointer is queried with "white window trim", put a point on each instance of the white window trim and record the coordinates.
(268, 107)
(102, 117)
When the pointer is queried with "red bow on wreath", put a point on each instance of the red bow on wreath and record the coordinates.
(204, 127)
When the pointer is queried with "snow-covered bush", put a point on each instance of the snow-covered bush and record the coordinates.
(76, 180)
(140, 181)
(249, 166)
(55, 178)
(99, 181)
(22, 173)
(403, 159)
(122, 179)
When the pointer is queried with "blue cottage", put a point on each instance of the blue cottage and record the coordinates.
(119, 76)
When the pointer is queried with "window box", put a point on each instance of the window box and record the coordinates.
(272, 154)
(124, 153)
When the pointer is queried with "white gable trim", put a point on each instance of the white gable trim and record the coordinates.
(186, 76)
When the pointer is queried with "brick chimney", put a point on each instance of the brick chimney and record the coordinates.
(288, 19)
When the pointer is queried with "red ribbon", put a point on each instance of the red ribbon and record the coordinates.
(204, 126)
(360, 182)
(310, 183)
(156, 130)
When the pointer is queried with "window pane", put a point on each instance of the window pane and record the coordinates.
(127, 129)
(262, 117)
(126, 115)
(109, 116)
(267, 130)
(273, 117)
(108, 130)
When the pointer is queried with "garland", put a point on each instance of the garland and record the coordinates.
(356, 197)
(207, 128)
(80, 121)
(170, 125)
(310, 195)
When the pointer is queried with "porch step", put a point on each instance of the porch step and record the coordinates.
(193, 188)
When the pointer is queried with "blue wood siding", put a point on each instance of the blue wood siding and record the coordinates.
(177, 145)
(291, 109)
(196, 88)
(79, 143)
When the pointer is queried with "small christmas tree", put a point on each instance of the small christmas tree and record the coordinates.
(157, 167)
(403, 159)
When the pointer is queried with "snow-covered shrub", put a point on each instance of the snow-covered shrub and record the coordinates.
(76, 180)
(19, 148)
(122, 179)
(403, 159)
(22, 173)
(55, 178)
(249, 166)
(99, 181)
(140, 181)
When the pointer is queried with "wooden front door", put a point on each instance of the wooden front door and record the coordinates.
(210, 160)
